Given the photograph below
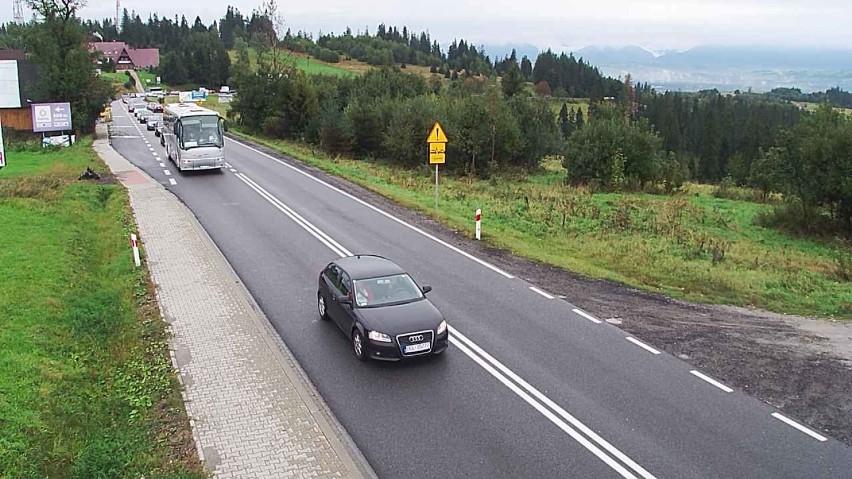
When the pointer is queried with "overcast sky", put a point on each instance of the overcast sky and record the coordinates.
(565, 24)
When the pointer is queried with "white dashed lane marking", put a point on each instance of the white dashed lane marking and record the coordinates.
(587, 316)
(790, 422)
(642, 345)
(543, 293)
(167, 172)
(711, 381)
(172, 181)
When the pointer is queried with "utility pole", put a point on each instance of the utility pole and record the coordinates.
(117, 15)
(18, 11)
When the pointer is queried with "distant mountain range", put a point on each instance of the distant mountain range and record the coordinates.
(727, 68)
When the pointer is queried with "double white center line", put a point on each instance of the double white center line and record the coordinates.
(581, 433)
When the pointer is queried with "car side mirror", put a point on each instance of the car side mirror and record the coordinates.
(344, 300)
(225, 125)
(426, 288)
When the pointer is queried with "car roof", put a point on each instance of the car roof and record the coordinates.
(368, 266)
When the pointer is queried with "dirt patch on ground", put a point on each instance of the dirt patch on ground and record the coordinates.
(802, 366)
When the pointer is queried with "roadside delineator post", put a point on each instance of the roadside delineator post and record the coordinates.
(478, 223)
(135, 246)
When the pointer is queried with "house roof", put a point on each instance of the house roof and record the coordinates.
(141, 57)
(110, 49)
(8, 54)
(145, 57)
(18, 79)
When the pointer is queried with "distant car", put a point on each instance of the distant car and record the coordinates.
(144, 113)
(154, 119)
(380, 308)
(155, 107)
(131, 107)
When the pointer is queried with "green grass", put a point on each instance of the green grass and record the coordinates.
(693, 247)
(148, 79)
(312, 66)
(575, 103)
(304, 62)
(86, 385)
(118, 79)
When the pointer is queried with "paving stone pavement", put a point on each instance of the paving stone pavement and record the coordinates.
(253, 411)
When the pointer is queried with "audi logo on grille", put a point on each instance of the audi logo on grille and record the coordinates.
(415, 338)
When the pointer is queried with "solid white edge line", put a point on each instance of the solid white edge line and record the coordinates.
(546, 413)
(283, 210)
(790, 422)
(642, 345)
(379, 210)
(587, 316)
(167, 172)
(552, 405)
(296, 216)
(172, 181)
(541, 292)
(711, 381)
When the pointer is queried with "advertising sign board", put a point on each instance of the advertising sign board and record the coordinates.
(51, 117)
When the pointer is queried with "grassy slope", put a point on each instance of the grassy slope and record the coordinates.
(147, 78)
(307, 63)
(86, 386)
(665, 244)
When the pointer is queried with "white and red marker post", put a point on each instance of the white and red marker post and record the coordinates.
(135, 246)
(478, 223)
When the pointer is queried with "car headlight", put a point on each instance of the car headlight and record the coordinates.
(442, 328)
(380, 337)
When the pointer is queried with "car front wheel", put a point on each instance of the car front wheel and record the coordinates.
(321, 308)
(358, 346)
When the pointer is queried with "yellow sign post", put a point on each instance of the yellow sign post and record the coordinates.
(437, 141)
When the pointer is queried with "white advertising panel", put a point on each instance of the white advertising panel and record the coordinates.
(10, 93)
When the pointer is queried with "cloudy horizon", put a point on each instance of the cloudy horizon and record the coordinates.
(656, 25)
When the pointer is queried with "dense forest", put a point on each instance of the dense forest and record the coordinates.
(716, 135)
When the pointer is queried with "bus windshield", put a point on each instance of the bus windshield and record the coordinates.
(201, 131)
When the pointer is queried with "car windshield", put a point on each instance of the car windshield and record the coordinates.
(201, 131)
(399, 288)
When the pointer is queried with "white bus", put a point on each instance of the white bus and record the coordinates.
(193, 137)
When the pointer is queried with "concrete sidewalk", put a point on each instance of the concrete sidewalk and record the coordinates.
(253, 411)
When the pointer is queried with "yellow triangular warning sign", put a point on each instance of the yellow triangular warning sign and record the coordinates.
(437, 134)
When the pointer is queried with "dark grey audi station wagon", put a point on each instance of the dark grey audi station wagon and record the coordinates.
(380, 308)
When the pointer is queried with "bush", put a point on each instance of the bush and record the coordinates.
(728, 189)
(797, 219)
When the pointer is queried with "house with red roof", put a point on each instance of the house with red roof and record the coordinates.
(126, 58)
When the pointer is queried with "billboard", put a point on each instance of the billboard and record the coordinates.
(10, 90)
(51, 117)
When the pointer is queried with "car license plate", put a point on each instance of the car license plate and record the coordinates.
(416, 348)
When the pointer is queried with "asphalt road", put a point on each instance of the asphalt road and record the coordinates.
(530, 387)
